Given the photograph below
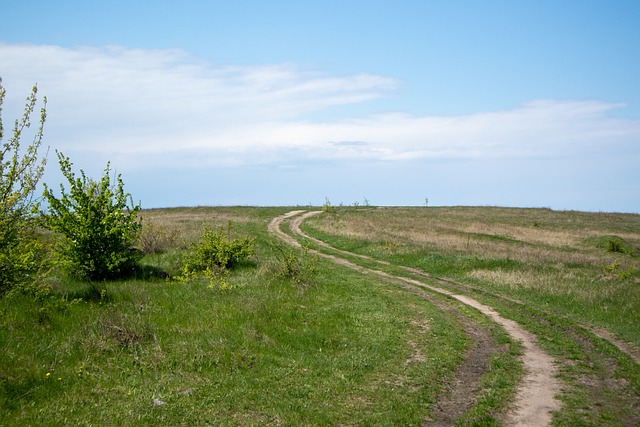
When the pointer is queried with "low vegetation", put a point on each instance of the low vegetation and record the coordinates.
(292, 339)
(263, 350)
(214, 255)
(556, 273)
(584, 265)
(111, 315)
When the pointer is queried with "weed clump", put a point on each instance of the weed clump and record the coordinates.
(615, 244)
(154, 239)
(213, 255)
(328, 207)
(297, 267)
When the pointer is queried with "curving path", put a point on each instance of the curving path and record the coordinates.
(535, 399)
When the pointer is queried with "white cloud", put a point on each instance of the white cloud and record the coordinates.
(173, 109)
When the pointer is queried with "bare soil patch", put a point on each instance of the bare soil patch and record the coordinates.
(462, 392)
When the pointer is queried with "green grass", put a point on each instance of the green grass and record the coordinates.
(556, 263)
(557, 260)
(340, 348)
(263, 352)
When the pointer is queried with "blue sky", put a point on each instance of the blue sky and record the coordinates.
(510, 103)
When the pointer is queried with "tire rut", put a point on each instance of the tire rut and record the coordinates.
(629, 349)
(535, 398)
(465, 386)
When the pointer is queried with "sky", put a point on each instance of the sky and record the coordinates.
(382, 102)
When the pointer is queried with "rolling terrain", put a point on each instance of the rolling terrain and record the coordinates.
(541, 390)
(342, 316)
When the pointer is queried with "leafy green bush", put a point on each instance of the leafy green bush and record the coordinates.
(20, 171)
(97, 222)
(214, 254)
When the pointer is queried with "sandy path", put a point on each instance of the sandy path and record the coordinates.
(535, 399)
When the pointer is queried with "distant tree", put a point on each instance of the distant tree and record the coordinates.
(97, 222)
(20, 171)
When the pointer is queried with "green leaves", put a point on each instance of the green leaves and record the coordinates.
(20, 171)
(97, 221)
(214, 254)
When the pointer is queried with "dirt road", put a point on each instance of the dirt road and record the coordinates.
(535, 399)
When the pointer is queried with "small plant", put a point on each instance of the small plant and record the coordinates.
(295, 266)
(627, 274)
(614, 246)
(213, 255)
(365, 203)
(97, 223)
(389, 246)
(613, 270)
(328, 207)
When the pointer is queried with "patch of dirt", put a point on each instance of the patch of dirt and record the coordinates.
(625, 347)
(535, 399)
(462, 393)
(609, 392)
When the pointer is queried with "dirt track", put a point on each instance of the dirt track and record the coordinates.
(535, 399)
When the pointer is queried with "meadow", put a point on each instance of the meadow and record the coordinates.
(290, 338)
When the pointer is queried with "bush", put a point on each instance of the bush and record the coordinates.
(214, 254)
(299, 267)
(328, 207)
(155, 239)
(22, 265)
(20, 171)
(97, 222)
(615, 246)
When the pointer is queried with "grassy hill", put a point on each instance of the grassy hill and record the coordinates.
(289, 338)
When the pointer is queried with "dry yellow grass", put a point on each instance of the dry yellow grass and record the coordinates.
(185, 225)
(556, 258)
(539, 236)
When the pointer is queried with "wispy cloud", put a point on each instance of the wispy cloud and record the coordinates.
(173, 109)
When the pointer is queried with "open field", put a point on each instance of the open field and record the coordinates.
(561, 261)
(570, 278)
(294, 339)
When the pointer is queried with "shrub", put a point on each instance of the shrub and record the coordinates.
(214, 254)
(615, 246)
(155, 239)
(20, 171)
(97, 222)
(328, 207)
(299, 267)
